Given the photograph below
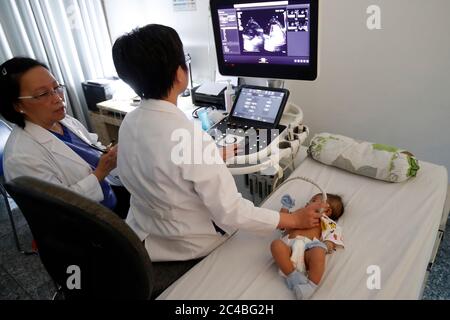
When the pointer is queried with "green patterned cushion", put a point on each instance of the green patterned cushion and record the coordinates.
(372, 160)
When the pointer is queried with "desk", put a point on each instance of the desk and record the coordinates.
(107, 120)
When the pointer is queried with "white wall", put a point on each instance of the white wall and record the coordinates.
(194, 28)
(388, 86)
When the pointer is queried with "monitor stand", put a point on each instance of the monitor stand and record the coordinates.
(275, 83)
(271, 83)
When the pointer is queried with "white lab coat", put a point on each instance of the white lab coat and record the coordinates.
(172, 206)
(36, 152)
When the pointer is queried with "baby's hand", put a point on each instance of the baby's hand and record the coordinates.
(331, 246)
(287, 202)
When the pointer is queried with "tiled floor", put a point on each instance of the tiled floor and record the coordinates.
(438, 285)
(24, 278)
(21, 277)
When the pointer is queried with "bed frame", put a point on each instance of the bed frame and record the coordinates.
(439, 237)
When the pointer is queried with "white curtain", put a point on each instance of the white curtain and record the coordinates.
(70, 36)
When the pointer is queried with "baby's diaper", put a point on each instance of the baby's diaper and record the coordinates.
(298, 246)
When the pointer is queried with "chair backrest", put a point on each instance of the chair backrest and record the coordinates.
(5, 131)
(81, 240)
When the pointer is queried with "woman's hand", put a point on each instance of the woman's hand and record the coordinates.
(228, 151)
(305, 218)
(284, 210)
(309, 217)
(106, 164)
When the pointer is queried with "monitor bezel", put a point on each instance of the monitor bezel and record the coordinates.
(255, 123)
(268, 71)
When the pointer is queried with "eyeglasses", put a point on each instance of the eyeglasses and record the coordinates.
(187, 58)
(59, 90)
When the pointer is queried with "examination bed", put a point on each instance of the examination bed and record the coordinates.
(391, 232)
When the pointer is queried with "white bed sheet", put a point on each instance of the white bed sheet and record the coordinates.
(392, 226)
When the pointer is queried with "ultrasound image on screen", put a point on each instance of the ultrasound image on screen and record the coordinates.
(263, 31)
(298, 20)
(253, 36)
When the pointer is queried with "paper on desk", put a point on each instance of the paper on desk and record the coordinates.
(224, 79)
(211, 88)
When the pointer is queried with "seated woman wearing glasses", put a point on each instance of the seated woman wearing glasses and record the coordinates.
(48, 144)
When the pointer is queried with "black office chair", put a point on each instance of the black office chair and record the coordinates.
(71, 230)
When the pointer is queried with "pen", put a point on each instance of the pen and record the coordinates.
(111, 144)
(103, 150)
(93, 146)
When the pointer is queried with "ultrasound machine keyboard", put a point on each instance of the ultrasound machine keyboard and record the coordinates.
(250, 139)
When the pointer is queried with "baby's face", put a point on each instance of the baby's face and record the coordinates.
(318, 198)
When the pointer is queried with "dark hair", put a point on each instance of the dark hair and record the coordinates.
(336, 205)
(148, 59)
(10, 74)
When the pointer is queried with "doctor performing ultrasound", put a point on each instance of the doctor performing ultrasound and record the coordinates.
(225, 150)
(181, 211)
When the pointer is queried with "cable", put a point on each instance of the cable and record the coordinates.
(291, 163)
(195, 112)
(271, 161)
(324, 194)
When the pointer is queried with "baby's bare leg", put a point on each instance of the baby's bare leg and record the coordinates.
(282, 255)
(315, 263)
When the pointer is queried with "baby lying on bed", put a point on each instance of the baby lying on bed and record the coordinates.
(300, 254)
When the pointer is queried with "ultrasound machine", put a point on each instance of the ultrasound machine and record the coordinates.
(270, 40)
(254, 120)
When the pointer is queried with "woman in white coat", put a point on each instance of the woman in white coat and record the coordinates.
(48, 144)
(181, 210)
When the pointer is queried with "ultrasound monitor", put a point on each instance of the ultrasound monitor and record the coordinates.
(267, 39)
